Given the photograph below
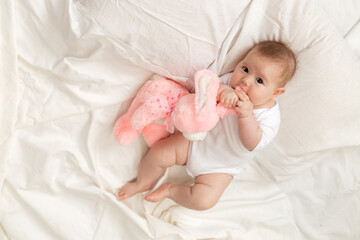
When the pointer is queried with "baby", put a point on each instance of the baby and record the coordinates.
(251, 89)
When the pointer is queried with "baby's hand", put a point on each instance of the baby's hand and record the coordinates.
(244, 106)
(229, 98)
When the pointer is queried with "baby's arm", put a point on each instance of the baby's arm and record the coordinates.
(249, 130)
(227, 96)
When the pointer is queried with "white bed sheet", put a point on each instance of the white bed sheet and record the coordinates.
(63, 84)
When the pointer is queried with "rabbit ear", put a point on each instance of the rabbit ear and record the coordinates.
(201, 94)
(206, 87)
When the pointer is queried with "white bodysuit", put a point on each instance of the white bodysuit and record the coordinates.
(222, 151)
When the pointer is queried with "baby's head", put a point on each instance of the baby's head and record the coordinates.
(264, 71)
(280, 54)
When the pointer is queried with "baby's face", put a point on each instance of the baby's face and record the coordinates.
(259, 77)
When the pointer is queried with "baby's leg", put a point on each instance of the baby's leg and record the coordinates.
(204, 194)
(165, 153)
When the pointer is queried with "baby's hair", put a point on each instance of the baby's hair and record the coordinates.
(281, 53)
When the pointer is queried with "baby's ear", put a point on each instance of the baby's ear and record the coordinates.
(278, 92)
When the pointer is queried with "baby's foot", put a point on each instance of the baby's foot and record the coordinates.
(161, 193)
(130, 189)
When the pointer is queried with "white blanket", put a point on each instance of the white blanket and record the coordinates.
(69, 69)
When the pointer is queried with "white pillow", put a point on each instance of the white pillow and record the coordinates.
(167, 37)
(321, 108)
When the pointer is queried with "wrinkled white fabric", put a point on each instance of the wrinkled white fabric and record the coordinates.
(70, 68)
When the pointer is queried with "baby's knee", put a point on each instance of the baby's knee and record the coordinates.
(205, 203)
(162, 153)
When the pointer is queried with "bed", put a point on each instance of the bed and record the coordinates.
(69, 69)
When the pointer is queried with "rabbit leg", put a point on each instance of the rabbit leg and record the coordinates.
(124, 132)
(154, 132)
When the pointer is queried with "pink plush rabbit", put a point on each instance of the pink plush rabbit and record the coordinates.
(195, 114)
(166, 100)
(154, 103)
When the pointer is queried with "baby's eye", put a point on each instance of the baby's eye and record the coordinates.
(245, 69)
(259, 80)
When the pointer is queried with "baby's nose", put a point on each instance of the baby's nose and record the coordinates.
(246, 81)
